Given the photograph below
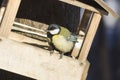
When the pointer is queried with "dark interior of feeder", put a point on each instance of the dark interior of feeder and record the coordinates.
(49, 12)
(92, 3)
(6, 75)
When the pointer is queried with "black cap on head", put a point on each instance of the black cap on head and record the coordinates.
(53, 29)
(53, 26)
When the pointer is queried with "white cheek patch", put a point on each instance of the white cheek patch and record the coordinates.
(56, 31)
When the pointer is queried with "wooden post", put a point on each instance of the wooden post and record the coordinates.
(80, 4)
(9, 16)
(85, 72)
(89, 37)
(84, 24)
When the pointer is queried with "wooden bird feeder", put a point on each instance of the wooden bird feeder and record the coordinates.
(37, 63)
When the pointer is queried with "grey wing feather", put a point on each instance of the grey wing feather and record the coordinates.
(73, 38)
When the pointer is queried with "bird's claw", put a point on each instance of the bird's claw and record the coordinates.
(51, 52)
(61, 55)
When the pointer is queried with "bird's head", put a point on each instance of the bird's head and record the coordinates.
(53, 29)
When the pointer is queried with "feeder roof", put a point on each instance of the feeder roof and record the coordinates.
(98, 6)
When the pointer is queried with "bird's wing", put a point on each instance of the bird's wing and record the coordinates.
(65, 32)
(72, 38)
(68, 35)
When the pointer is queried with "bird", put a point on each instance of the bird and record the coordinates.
(60, 39)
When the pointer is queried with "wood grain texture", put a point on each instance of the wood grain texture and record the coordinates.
(9, 16)
(81, 30)
(94, 9)
(37, 63)
(89, 37)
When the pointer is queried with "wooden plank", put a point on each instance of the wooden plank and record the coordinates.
(77, 47)
(8, 18)
(83, 5)
(37, 63)
(84, 24)
(102, 3)
(30, 32)
(25, 39)
(89, 37)
(85, 73)
(2, 9)
(30, 27)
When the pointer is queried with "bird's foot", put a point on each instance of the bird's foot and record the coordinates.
(51, 52)
(61, 55)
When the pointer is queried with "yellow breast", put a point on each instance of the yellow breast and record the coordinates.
(62, 44)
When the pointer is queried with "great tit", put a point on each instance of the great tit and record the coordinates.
(60, 39)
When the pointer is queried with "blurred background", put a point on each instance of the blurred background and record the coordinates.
(104, 55)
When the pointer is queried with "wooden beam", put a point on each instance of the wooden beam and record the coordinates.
(84, 24)
(9, 16)
(85, 72)
(37, 63)
(82, 5)
(102, 3)
(30, 27)
(89, 37)
(30, 32)
(77, 47)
